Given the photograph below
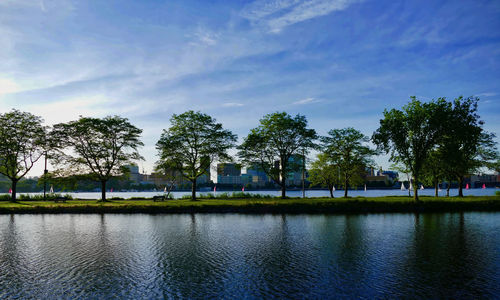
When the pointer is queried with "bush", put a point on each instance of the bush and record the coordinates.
(250, 195)
(497, 193)
(233, 195)
(5, 197)
(38, 197)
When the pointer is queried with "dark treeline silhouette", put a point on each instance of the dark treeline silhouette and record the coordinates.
(434, 141)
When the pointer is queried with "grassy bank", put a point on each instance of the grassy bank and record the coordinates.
(266, 205)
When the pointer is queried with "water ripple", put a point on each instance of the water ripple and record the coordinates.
(238, 256)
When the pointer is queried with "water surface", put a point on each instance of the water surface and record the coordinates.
(290, 193)
(448, 255)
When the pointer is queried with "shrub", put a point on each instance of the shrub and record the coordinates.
(5, 197)
(39, 197)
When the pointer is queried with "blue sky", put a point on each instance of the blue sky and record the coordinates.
(339, 62)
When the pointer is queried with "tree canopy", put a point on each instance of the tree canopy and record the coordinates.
(464, 145)
(274, 141)
(192, 143)
(324, 173)
(346, 149)
(23, 140)
(98, 148)
(410, 134)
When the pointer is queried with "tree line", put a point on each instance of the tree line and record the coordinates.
(433, 141)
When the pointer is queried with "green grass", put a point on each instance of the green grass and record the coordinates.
(260, 205)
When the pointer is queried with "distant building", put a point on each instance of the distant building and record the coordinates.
(134, 174)
(229, 180)
(380, 178)
(489, 180)
(296, 163)
(255, 176)
(164, 178)
(228, 169)
(393, 176)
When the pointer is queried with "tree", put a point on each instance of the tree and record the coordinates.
(23, 140)
(324, 173)
(402, 170)
(346, 150)
(410, 134)
(274, 141)
(192, 143)
(433, 170)
(171, 176)
(98, 149)
(464, 145)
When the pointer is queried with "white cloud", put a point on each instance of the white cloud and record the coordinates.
(42, 6)
(278, 14)
(69, 109)
(8, 86)
(232, 104)
(489, 94)
(262, 8)
(309, 100)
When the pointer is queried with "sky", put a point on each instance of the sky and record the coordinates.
(340, 62)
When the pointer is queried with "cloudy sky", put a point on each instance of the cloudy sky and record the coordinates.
(339, 62)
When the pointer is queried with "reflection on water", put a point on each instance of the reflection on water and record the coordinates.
(234, 256)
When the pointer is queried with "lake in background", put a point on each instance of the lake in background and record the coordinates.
(291, 193)
(448, 255)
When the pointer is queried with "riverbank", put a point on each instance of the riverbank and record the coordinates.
(260, 206)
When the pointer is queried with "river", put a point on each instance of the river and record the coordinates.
(450, 255)
(290, 193)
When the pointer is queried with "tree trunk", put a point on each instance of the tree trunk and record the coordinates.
(330, 187)
(448, 189)
(14, 190)
(283, 178)
(460, 183)
(415, 190)
(103, 190)
(409, 184)
(436, 185)
(346, 186)
(193, 190)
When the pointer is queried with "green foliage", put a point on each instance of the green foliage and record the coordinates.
(410, 134)
(434, 169)
(404, 174)
(5, 197)
(193, 141)
(346, 149)
(98, 148)
(464, 146)
(274, 141)
(23, 142)
(226, 195)
(324, 173)
(36, 197)
(39, 197)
